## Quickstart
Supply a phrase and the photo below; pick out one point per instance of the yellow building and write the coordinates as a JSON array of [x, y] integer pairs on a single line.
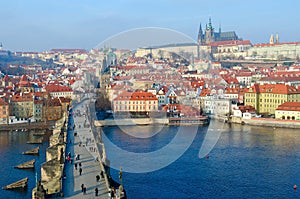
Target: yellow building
[[266, 98]]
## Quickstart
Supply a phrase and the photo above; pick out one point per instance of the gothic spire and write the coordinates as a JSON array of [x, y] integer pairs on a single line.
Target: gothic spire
[[200, 29], [209, 24], [200, 34]]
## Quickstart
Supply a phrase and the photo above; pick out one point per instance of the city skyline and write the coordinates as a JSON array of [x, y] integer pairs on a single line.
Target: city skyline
[[40, 26]]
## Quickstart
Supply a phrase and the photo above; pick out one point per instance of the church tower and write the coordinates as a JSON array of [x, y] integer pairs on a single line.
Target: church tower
[[272, 39], [209, 33], [200, 35], [277, 39]]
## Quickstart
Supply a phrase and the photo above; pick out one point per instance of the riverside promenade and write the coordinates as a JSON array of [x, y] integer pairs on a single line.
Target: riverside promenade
[[84, 145]]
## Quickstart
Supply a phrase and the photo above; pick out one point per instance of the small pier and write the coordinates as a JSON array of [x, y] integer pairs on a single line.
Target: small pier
[[188, 121], [38, 132], [37, 141], [34, 151], [26, 165], [17, 185]]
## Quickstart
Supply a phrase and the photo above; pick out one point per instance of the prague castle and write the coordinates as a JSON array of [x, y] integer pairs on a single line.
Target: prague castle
[[209, 35], [218, 46]]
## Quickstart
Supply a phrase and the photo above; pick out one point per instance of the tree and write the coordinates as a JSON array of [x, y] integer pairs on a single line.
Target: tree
[[102, 103]]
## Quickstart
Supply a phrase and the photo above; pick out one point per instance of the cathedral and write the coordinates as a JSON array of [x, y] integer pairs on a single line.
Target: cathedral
[[210, 35]]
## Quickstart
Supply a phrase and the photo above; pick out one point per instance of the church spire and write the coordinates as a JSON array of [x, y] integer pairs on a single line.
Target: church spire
[[272, 39], [200, 34], [209, 24], [220, 28]]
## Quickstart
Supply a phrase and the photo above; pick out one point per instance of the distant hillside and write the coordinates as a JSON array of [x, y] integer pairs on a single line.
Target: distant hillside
[[5, 61]]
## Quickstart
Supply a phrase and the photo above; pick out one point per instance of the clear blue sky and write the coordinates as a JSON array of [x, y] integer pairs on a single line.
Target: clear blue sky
[[39, 25]]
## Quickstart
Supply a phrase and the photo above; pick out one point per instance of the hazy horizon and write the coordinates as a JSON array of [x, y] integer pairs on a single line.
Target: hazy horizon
[[42, 25]]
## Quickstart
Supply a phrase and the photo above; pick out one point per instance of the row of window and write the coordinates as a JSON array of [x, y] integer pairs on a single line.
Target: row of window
[[126, 108], [134, 102], [62, 94], [272, 95], [290, 112]]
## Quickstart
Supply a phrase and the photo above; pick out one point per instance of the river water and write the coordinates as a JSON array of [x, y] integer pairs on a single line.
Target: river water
[[12, 144], [246, 162]]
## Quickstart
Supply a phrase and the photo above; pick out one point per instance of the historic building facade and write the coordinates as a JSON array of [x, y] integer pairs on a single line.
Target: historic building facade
[[266, 98], [288, 111], [135, 102]]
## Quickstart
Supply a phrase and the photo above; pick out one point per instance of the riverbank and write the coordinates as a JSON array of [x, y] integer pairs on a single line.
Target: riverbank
[[267, 122], [28, 126], [153, 121]]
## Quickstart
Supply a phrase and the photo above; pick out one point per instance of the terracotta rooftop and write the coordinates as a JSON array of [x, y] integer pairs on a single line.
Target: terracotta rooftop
[[289, 106], [138, 96], [22, 97], [230, 43], [3, 103], [54, 102], [274, 88], [57, 88]]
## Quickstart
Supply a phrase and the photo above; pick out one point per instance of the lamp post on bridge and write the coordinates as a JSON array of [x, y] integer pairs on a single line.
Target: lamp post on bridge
[[121, 176]]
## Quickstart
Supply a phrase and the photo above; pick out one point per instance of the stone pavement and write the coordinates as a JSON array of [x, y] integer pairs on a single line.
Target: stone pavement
[[84, 145]]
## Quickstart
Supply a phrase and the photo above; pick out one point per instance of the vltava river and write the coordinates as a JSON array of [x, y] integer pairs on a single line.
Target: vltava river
[[246, 162], [12, 144]]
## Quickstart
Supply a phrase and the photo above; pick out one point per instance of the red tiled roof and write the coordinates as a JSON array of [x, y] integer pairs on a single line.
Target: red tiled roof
[[65, 100], [197, 84], [129, 67], [236, 90], [274, 88], [138, 95], [230, 43], [3, 103], [249, 109], [205, 92], [122, 78], [54, 102], [230, 80], [289, 106], [57, 88], [279, 44], [186, 110], [40, 94], [38, 101], [22, 97]]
